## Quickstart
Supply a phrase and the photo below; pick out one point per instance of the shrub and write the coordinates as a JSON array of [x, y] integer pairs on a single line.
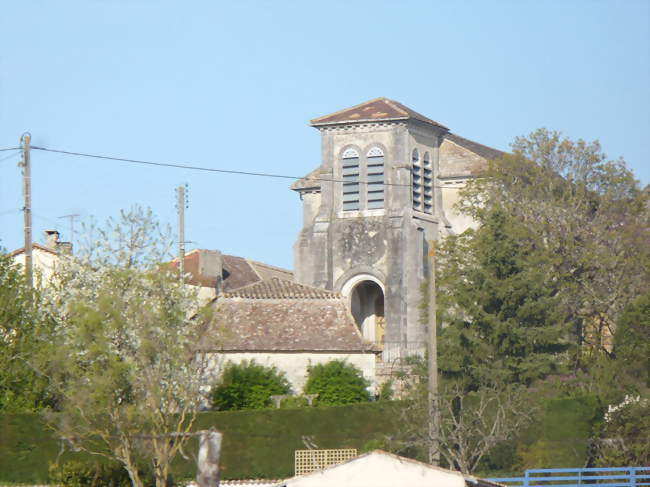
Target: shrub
[[294, 402], [248, 386], [337, 383], [81, 474]]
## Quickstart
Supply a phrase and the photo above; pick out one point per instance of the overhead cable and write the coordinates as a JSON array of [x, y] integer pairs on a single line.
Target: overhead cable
[[208, 169]]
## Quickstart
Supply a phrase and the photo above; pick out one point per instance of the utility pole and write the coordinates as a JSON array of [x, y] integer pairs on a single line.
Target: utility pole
[[27, 209], [181, 205], [434, 412]]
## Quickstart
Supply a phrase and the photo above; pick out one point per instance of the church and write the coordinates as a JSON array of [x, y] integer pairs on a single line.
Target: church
[[386, 187]]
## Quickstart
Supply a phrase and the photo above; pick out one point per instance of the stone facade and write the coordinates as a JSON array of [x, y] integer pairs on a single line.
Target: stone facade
[[375, 252]]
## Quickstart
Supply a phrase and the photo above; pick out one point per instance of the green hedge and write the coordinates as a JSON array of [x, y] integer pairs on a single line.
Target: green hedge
[[257, 443], [260, 443]]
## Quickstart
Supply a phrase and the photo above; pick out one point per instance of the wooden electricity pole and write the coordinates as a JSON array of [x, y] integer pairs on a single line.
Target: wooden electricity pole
[[434, 414], [181, 230], [27, 209]]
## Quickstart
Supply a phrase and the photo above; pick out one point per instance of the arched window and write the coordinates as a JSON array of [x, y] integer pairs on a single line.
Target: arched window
[[417, 180], [375, 176], [427, 184], [350, 173]]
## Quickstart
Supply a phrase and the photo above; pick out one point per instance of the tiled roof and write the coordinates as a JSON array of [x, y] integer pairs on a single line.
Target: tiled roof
[[276, 288], [283, 325], [283, 316], [373, 111], [34, 246], [237, 271], [310, 181], [267, 271], [482, 150]]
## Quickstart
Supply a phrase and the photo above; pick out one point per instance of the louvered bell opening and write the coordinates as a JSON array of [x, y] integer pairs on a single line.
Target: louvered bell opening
[[428, 203], [350, 173]]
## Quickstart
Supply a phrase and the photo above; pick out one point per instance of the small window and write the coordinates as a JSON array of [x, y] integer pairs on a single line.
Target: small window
[[375, 178], [350, 174]]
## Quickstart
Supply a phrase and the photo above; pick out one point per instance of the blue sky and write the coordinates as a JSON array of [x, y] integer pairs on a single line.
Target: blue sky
[[233, 85]]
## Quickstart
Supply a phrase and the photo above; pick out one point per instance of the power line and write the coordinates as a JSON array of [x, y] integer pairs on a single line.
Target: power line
[[209, 169], [10, 148], [10, 156]]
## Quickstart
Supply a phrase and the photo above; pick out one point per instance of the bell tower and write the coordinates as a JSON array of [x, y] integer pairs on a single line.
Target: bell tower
[[369, 210]]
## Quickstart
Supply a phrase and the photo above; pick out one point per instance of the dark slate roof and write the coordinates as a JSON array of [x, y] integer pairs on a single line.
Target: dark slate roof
[[261, 324], [482, 150], [276, 288], [373, 111]]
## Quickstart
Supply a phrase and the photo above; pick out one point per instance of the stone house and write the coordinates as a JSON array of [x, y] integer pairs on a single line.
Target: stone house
[[44, 257], [261, 314]]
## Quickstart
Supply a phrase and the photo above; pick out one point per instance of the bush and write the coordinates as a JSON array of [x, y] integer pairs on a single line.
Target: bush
[[294, 402], [337, 383], [74, 473], [248, 386], [81, 474]]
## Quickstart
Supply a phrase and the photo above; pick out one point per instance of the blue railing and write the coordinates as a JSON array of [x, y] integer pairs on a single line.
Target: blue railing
[[573, 477]]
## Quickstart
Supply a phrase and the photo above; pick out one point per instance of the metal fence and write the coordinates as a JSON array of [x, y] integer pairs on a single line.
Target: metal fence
[[573, 477]]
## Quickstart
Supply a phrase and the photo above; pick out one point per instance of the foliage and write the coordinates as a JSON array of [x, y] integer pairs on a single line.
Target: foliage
[[470, 424], [632, 339], [257, 443], [81, 474], [561, 249], [248, 386], [386, 391], [336, 383], [502, 307], [294, 402], [626, 434], [123, 356], [21, 325]]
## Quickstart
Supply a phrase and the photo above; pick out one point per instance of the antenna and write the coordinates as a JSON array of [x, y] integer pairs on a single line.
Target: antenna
[[72, 216]]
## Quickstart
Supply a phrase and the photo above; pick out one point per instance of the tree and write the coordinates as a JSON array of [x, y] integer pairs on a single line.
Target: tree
[[501, 305], [248, 386], [632, 339], [560, 250], [471, 423], [123, 355], [626, 434], [588, 219], [21, 388], [336, 383]]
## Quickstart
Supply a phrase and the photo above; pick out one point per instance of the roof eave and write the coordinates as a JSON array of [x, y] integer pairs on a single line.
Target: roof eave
[[316, 123]]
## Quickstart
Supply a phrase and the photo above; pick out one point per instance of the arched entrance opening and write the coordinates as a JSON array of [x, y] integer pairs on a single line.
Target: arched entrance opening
[[367, 307]]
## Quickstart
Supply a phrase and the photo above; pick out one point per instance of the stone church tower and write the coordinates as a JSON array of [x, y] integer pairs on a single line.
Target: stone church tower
[[370, 209]]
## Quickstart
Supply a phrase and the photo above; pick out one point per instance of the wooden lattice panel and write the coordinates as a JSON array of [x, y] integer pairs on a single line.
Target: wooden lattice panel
[[307, 461]]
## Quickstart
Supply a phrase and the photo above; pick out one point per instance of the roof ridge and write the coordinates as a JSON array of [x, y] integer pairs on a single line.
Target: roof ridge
[[315, 120], [271, 266], [482, 150], [37, 245], [280, 288], [397, 106]]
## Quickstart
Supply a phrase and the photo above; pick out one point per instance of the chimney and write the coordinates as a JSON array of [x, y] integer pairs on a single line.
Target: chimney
[[211, 266], [52, 239]]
